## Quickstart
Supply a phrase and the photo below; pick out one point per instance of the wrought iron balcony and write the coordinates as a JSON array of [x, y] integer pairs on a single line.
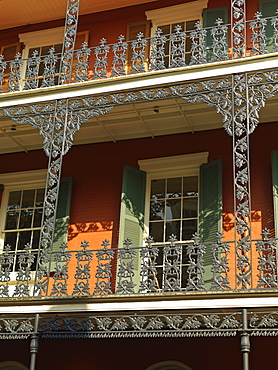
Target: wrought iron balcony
[[179, 49], [151, 269]]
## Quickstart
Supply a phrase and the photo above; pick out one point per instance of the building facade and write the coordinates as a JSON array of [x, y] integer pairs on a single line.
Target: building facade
[[138, 184]]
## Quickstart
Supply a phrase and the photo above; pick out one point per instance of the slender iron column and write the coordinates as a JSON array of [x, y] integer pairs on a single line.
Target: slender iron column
[[34, 345], [238, 20], [245, 341], [69, 41]]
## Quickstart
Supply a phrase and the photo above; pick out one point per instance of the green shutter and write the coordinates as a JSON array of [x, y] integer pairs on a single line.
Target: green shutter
[[274, 160], [62, 214], [132, 212], [268, 9], [209, 18], [210, 209]]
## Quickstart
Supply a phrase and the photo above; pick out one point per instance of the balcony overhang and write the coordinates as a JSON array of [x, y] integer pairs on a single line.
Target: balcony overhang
[[136, 119], [21, 12]]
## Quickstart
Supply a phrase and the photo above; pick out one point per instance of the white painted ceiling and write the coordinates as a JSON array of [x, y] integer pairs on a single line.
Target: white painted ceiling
[[131, 121]]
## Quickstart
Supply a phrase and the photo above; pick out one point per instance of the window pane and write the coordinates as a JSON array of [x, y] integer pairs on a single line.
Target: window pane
[[190, 186], [24, 238], [173, 209], [12, 220], [165, 29], [45, 49], [157, 210], [173, 187], [156, 231], [190, 207], [58, 48], [190, 25], [158, 189], [37, 218], [26, 219], [10, 239], [39, 198], [28, 198], [14, 200], [172, 228], [36, 239], [189, 227]]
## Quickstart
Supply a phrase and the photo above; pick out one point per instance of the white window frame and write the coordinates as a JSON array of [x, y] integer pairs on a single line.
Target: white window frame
[[37, 39], [41, 38], [14, 181], [174, 166], [176, 13]]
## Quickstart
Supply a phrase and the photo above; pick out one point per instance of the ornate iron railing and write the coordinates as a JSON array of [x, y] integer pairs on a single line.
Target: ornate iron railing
[[141, 55], [154, 268]]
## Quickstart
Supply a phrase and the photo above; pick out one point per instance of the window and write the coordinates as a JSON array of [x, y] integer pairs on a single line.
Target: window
[[173, 204], [172, 195], [23, 221], [268, 9], [42, 41], [21, 212], [167, 19]]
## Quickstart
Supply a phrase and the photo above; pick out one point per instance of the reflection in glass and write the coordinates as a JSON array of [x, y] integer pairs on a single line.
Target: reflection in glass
[[28, 198], [14, 200], [157, 210], [158, 189], [190, 206], [156, 231], [12, 220], [174, 187], [173, 209], [26, 216]]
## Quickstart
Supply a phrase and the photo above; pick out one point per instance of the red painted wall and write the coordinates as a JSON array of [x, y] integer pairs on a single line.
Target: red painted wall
[[110, 24], [97, 172], [137, 354]]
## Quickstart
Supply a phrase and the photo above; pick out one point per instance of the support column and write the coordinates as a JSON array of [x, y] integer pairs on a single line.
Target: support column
[[69, 41], [245, 341], [241, 168], [56, 142], [34, 345], [238, 31]]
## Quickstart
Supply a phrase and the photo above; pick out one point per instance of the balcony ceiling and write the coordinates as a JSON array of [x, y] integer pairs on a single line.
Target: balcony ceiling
[[14, 13], [140, 120]]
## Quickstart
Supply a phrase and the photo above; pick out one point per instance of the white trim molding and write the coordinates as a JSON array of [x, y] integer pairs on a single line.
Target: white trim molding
[[186, 164], [177, 13]]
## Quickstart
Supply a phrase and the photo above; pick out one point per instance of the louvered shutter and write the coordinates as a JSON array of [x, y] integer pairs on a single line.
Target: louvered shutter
[[209, 18], [9, 52], [132, 30], [210, 209], [132, 213], [268, 9], [274, 160], [63, 213]]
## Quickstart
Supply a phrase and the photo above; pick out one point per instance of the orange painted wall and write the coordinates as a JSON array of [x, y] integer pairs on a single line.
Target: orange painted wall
[[97, 173]]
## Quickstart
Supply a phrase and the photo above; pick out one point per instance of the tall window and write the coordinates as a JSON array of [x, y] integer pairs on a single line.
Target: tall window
[[183, 15], [173, 208], [21, 212], [23, 220]]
